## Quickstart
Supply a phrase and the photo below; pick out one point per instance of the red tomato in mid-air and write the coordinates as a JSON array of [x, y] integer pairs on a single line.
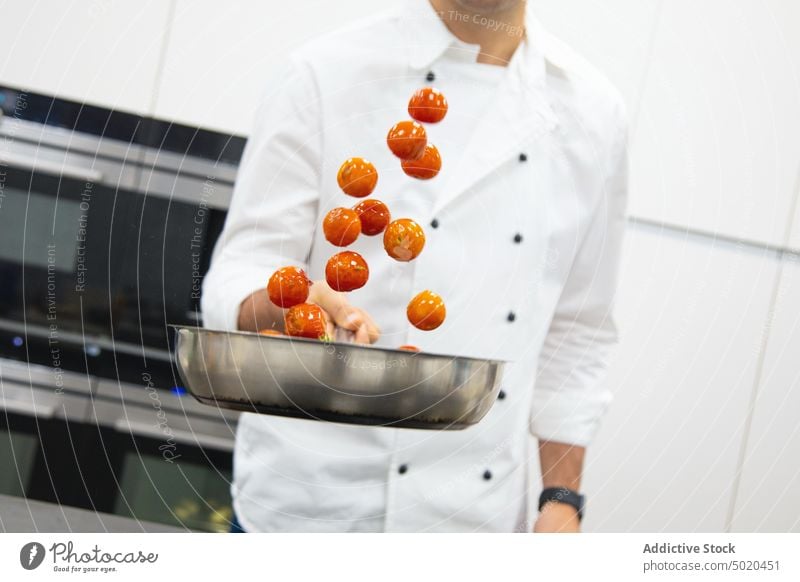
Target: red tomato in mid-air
[[288, 286], [346, 271], [426, 167], [407, 140], [428, 105], [374, 216], [403, 239], [357, 177], [341, 226], [426, 311]]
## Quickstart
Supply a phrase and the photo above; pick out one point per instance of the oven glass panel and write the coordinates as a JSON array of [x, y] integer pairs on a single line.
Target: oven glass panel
[[17, 457], [169, 244], [58, 236], [47, 227], [97, 261], [192, 495]]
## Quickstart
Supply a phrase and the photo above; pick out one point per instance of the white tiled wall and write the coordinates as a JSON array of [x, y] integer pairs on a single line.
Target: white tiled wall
[[769, 492], [101, 52], [218, 53], [718, 136], [691, 316], [222, 50], [616, 35]]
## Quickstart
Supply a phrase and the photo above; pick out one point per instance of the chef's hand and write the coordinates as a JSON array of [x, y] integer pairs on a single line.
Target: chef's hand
[[342, 314], [257, 312], [557, 518]]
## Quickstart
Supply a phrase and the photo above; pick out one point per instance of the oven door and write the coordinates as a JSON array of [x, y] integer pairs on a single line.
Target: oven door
[[42, 433], [172, 228], [99, 254], [62, 217], [169, 457]]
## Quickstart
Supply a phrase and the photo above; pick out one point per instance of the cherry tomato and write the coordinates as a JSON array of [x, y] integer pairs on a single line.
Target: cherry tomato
[[374, 216], [357, 177], [408, 348], [407, 140], [403, 239], [426, 167], [426, 311], [427, 105], [288, 286], [269, 332], [306, 320], [346, 271], [341, 226]]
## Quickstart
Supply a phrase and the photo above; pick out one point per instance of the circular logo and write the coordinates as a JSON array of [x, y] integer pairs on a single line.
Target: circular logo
[[31, 555]]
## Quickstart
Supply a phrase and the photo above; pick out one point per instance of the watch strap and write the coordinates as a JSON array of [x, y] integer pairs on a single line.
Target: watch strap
[[563, 495]]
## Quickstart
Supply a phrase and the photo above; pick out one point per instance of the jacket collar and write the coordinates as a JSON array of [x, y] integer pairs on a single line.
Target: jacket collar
[[429, 39], [519, 116]]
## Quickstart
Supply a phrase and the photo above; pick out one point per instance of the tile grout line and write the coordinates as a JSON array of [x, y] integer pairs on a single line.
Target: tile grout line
[[780, 251], [735, 490], [754, 392], [646, 73], [162, 58]]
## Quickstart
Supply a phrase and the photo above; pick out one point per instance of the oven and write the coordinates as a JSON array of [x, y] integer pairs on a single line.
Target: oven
[[99, 236], [113, 447], [41, 437], [107, 223]]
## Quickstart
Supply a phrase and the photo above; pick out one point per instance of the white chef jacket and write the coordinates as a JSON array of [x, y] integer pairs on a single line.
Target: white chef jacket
[[530, 214]]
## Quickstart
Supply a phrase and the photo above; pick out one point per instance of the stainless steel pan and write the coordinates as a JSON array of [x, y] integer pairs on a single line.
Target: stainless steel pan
[[335, 381]]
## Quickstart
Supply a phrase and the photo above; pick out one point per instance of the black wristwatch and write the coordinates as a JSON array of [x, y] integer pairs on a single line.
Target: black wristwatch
[[563, 495]]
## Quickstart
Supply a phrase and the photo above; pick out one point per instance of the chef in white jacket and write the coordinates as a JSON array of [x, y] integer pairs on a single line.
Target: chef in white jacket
[[524, 226]]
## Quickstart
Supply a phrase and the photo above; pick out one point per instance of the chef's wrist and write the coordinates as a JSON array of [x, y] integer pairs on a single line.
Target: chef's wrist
[[561, 509], [562, 497], [257, 312], [557, 518]]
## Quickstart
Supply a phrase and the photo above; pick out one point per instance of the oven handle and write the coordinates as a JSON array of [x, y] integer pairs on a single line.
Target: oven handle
[[29, 408], [50, 167], [186, 437]]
